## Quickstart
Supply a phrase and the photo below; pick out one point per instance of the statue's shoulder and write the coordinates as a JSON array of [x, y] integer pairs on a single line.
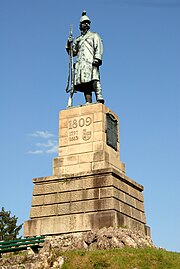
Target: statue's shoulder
[[95, 35], [78, 38]]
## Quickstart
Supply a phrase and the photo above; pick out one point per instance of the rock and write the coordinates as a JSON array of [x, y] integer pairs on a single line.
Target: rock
[[93, 246], [60, 261], [115, 243], [46, 247], [129, 242], [105, 238], [90, 237]]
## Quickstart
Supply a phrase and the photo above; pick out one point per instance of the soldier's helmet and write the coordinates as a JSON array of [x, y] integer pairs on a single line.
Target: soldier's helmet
[[84, 17]]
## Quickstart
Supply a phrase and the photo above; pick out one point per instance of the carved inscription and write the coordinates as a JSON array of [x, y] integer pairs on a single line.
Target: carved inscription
[[73, 135], [80, 129], [74, 123]]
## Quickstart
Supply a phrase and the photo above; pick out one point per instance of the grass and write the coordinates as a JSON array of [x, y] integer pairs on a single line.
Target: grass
[[126, 258]]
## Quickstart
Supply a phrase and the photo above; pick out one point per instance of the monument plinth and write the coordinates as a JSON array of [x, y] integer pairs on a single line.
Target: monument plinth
[[89, 188]]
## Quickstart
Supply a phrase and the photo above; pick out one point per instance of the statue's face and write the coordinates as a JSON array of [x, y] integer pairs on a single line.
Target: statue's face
[[84, 26]]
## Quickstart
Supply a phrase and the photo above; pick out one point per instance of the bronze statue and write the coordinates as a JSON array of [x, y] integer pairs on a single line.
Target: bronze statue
[[88, 48]]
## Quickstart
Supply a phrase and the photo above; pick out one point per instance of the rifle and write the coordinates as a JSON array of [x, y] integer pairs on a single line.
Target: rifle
[[71, 71]]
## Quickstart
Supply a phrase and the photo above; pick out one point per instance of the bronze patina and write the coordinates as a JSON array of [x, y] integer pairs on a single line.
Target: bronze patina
[[85, 75]]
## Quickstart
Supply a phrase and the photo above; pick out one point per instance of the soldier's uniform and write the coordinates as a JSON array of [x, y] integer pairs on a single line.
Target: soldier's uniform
[[88, 48]]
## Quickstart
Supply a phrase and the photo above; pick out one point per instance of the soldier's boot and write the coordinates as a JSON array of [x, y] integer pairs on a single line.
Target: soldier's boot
[[88, 97], [98, 91]]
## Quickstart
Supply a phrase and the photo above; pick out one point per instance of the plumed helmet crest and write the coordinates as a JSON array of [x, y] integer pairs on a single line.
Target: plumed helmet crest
[[84, 17]]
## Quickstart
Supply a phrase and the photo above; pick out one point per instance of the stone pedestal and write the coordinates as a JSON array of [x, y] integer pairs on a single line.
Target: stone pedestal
[[88, 189]]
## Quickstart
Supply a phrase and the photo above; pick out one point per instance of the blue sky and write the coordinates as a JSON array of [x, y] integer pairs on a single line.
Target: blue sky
[[140, 77]]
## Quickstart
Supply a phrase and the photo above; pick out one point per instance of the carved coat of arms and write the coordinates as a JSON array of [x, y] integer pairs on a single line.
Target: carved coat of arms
[[86, 135]]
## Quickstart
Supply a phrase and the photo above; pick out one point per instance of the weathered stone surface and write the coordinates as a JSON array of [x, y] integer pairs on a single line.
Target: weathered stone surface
[[89, 188], [81, 126], [80, 222], [74, 196]]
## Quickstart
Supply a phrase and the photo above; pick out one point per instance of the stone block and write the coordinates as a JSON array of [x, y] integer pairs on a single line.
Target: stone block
[[133, 192], [140, 197], [116, 164], [99, 136], [119, 195], [126, 209], [86, 147], [32, 227], [43, 211], [86, 157], [38, 200], [127, 222], [74, 149], [92, 108], [99, 156], [130, 200], [99, 126], [135, 225], [63, 141], [85, 167], [99, 117], [98, 146], [102, 219], [70, 113], [139, 205], [63, 132], [99, 165], [50, 188], [97, 181], [72, 169], [80, 148], [121, 185], [71, 160], [78, 168], [59, 171], [120, 167], [136, 214], [63, 151], [35, 212], [38, 189], [50, 199], [63, 123], [58, 162]]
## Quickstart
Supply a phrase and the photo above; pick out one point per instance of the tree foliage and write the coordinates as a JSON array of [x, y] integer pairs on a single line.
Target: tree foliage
[[9, 229]]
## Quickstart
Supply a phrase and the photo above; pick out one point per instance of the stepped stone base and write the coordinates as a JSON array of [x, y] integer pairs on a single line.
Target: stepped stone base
[[82, 203], [89, 188]]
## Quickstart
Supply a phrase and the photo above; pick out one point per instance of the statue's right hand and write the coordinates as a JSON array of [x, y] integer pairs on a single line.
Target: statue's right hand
[[70, 39]]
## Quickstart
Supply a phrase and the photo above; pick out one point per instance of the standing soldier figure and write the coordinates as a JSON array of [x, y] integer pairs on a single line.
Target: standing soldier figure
[[88, 48]]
